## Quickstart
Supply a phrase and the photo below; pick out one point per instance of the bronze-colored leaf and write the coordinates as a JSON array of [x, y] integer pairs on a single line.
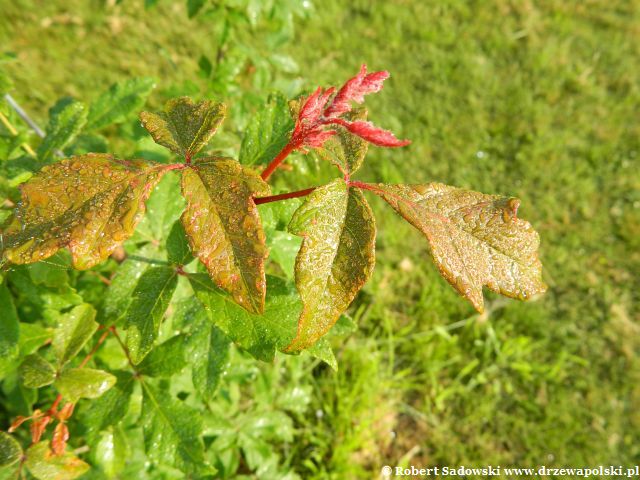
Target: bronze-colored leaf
[[184, 127], [336, 257], [475, 239], [224, 228], [90, 204], [346, 150]]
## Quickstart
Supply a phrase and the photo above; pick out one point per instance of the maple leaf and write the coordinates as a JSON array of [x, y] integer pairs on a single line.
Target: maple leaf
[[336, 257], [90, 204], [224, 228], [184, 127], [476, 239]]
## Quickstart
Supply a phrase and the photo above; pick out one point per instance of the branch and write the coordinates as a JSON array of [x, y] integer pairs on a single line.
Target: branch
[[283, 196]]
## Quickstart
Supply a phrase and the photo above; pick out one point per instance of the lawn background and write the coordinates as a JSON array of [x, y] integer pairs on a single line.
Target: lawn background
[[538, 100]]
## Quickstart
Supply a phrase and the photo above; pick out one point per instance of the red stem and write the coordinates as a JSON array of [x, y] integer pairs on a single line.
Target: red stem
[[101, 340], [284, 153], [283, 196]]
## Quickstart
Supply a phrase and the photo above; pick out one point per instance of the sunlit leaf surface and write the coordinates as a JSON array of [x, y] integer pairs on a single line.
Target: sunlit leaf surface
[[224, 228], [336, 257], [90, 204], [184, 127], [475, 239]]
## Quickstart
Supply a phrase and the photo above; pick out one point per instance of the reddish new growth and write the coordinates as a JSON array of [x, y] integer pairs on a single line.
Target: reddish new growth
[[322, 109]]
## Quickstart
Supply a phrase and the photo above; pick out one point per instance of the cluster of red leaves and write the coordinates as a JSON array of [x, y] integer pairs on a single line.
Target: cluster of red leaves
[[323, 108], [40, 420]]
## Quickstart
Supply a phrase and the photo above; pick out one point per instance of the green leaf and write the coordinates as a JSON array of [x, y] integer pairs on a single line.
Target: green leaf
[[224, 228], [178, 251], [475, 239], [120, 292], [110, 452], [44, 465], [336, 257], [76, 383], [9, 330], [117, 103], [111, 407], [10, 450], [166, 359], [283, 248], [90, 204], [164, 207], [209, 355], [194, 6], [267, 133], [184, 127], [32, 337], [322, 350], [75, 329], [149, 303], [345, 150], [66, 119], [172, 431], [262, 334], [36, 372]]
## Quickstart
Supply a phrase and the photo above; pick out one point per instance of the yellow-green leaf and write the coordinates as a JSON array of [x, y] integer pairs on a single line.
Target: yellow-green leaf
[[44, 465], [345, 150], [90, 204], [224, 228], [36, 372], [184, 127], [75, 329], [475, 239], [10, 450], [76, 383], [336, 257], [66, 120]]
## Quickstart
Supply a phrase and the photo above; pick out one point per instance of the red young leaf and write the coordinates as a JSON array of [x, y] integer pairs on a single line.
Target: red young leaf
[[60, 437], [38, 427], [66, 411], [355, 89], [316, 138], [17, 422], [372, 134]]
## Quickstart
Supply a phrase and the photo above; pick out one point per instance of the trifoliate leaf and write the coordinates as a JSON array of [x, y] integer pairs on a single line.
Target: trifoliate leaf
[[172, 431], [36, 372], [9, 330], [66, 119], [336, 257], [117, 103], [111, 407], [178, 251], [44, 465], [90, 204], [76, 383], [208, 354], [267, 133], [10, 450], [475, 239], [346, 150], [166, 359], [184, 127], [224, 228], [74, 330], [149, 303], [262, 334]]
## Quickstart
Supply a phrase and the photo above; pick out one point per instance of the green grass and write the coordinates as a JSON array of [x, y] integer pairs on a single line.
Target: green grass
[[536, 100]]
